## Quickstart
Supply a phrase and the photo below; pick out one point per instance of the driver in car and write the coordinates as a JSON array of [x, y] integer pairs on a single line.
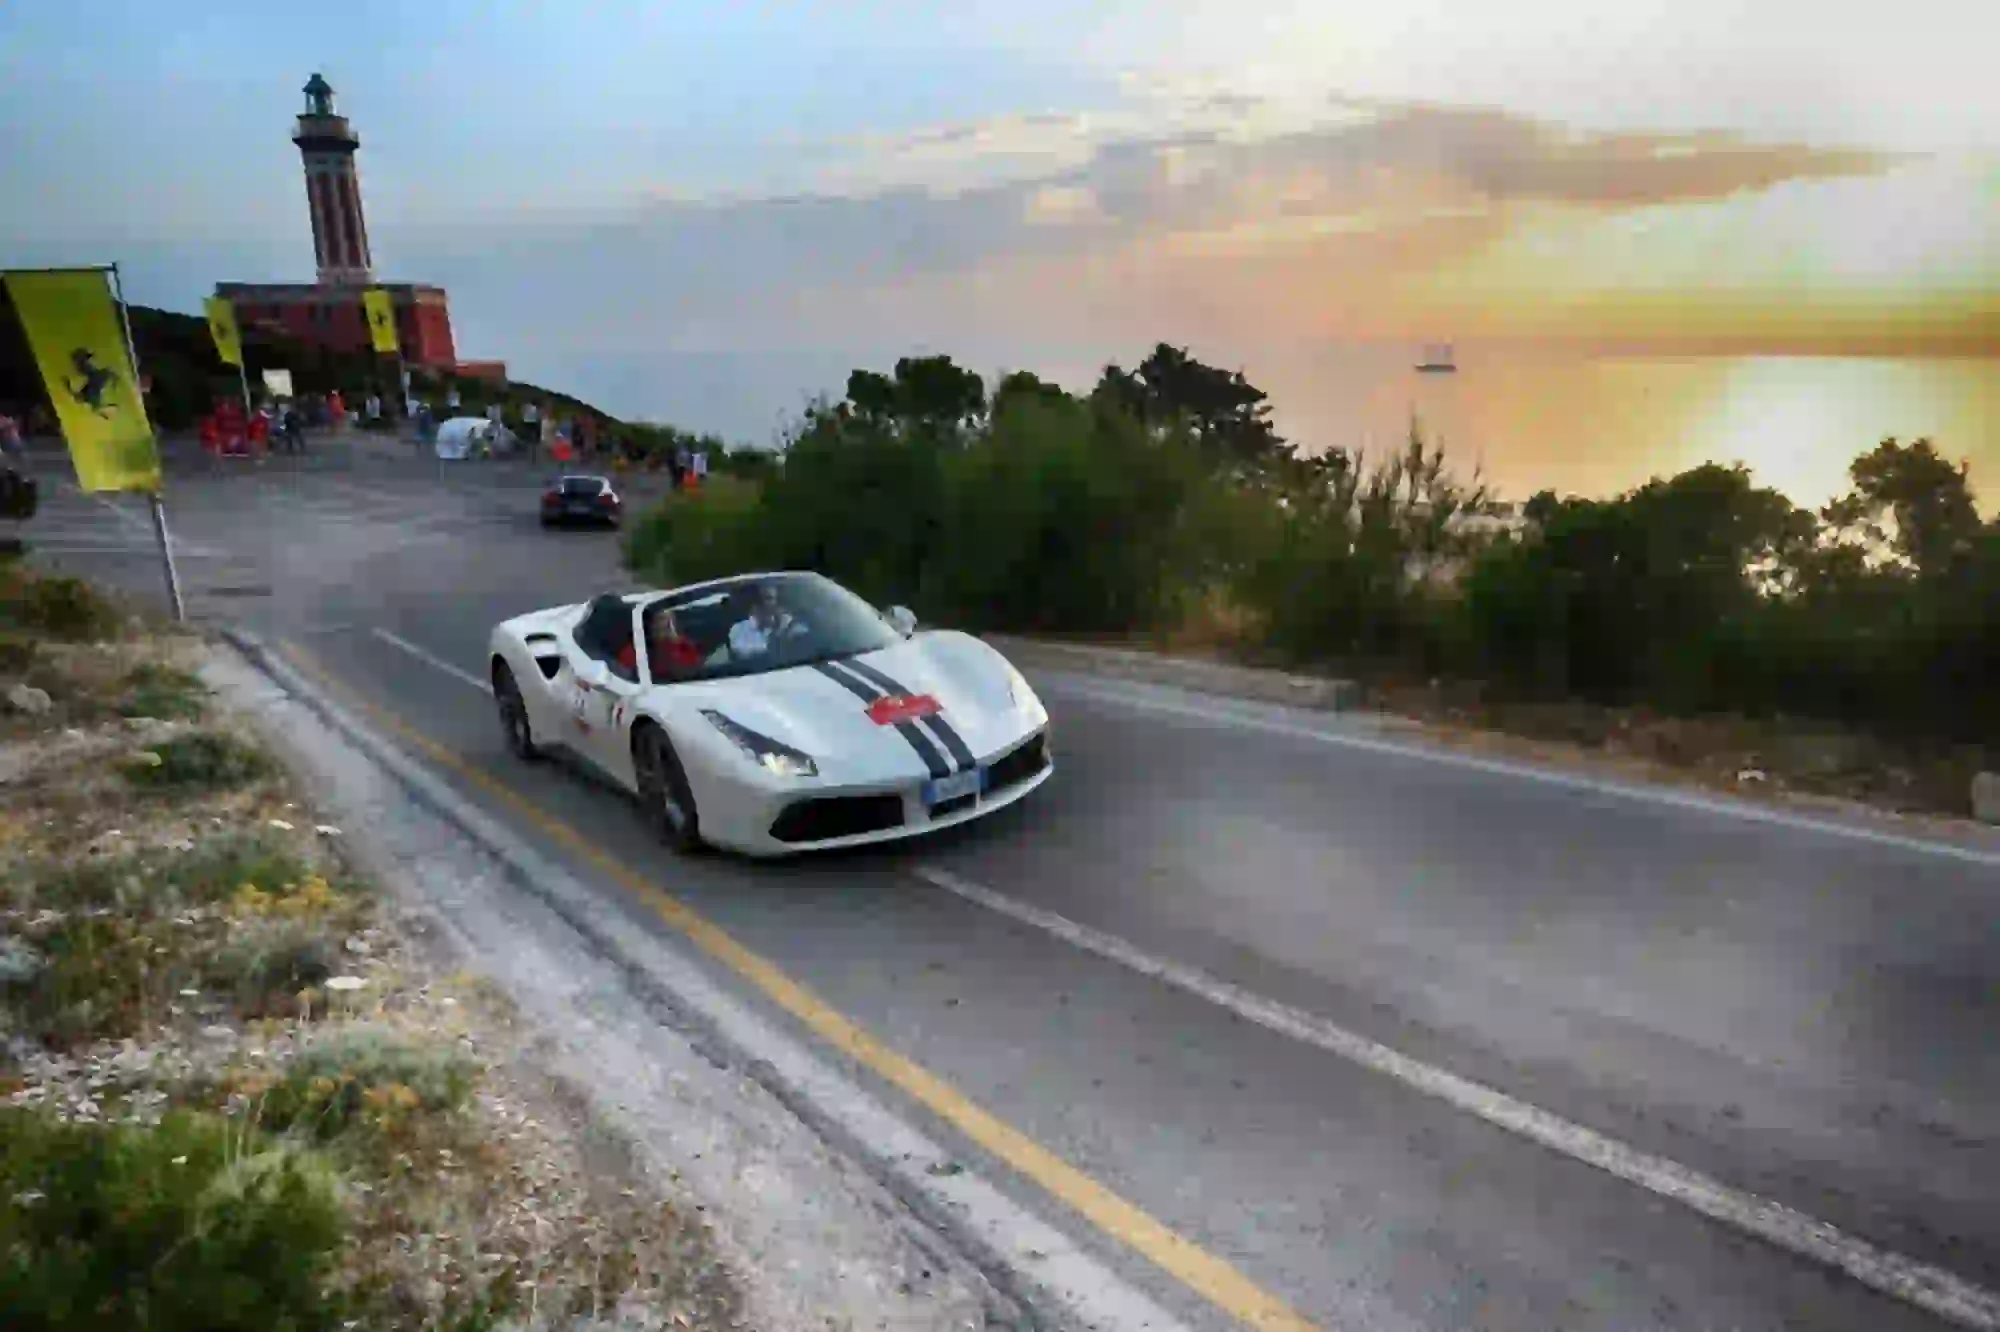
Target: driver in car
[[752, 635]]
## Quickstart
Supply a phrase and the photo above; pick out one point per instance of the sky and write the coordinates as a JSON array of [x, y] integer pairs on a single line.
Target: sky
[[707, 213]]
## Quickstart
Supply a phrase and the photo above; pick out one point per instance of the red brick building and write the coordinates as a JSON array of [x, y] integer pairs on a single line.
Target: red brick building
[[330, 315], [328, 312]]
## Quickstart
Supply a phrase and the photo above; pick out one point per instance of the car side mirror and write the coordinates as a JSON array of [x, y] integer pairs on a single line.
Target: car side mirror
[[902, 619], [594, 673]]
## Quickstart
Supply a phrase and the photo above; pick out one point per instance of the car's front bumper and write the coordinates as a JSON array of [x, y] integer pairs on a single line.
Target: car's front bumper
[[747, 823]]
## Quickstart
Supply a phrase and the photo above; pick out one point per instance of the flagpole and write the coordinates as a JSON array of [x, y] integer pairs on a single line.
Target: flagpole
[[154, 502]]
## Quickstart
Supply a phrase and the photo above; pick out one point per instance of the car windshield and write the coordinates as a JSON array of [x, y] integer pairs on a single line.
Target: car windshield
[[748, 626], [579, 487]]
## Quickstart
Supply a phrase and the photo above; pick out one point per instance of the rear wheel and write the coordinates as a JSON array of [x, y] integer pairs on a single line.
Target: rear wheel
[[513, 708], [665, 799]]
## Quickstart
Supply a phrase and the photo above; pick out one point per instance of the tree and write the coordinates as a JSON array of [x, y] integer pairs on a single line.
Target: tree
[[1910, 500], [1225, 413], [1022, 385]]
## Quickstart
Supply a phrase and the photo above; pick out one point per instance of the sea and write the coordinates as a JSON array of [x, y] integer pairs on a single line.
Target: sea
[[1597, 425]]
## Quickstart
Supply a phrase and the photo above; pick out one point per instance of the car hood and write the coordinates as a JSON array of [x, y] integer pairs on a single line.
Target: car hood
[[821, 712]]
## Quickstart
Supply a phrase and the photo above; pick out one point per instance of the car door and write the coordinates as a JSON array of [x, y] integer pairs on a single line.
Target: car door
[[596, 690]]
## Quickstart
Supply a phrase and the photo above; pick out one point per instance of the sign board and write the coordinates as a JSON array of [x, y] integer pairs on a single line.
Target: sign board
[[278, 383]]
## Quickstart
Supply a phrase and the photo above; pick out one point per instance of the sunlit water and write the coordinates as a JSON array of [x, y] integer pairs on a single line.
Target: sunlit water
[[1599, 425]]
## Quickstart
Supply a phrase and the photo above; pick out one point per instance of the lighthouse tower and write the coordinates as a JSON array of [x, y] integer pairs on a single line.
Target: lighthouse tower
[[328, 313], [333, 191]]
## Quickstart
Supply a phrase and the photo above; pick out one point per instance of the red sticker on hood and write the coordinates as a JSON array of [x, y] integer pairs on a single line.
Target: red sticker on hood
[[893, 708]]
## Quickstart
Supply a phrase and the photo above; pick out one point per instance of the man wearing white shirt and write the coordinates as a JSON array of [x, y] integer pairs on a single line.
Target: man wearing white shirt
[[751, 636]]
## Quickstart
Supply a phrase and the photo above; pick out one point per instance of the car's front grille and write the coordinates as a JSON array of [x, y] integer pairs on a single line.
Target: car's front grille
[[1019, 765], [819, 819]]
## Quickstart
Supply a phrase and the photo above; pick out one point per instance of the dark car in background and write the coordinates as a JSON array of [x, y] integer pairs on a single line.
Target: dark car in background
[[581, 499]]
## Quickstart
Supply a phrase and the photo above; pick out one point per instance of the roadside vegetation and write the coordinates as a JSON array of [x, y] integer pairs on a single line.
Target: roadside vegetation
[[1700, 619], [238, 1088]]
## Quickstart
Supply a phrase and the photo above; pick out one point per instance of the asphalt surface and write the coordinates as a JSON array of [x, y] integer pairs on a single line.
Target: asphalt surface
[[1807, 1017]]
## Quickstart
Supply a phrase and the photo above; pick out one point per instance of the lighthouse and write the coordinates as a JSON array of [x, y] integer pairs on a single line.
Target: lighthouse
[[328, 311], [333, 190]]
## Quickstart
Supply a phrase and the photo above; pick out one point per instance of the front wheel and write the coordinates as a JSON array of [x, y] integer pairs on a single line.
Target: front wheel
[[514, 721], [665, 799]]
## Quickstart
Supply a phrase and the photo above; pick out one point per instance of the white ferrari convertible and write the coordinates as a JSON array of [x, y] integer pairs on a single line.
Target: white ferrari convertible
[[773, 713]]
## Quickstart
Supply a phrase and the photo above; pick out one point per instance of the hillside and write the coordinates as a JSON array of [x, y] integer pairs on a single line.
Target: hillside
[[176, 353]]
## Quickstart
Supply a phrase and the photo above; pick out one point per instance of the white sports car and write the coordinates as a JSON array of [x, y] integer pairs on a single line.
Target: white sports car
[[773, 713]]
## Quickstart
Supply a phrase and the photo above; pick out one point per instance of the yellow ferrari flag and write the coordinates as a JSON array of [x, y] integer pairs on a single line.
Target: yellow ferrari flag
[[381, 319], [79, 344], [222, 327]]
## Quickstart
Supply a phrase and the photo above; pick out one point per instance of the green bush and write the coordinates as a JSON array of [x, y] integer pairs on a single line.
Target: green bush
[[182, 1226], [165, 693], [264, 965], [207, 759], [1167, 493], [699, 534], [17, 654], [161, 881], [98, 976], [360, 1077], [1063, 515], [57, 607]]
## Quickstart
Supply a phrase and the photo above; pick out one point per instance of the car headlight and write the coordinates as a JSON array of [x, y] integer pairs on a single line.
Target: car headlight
[[780, 760]]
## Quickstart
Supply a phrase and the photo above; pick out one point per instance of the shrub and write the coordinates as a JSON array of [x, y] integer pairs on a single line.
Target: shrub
[[59, 607], [17, 654], [167, 1228], [360, 1077], [99, 977], [212, 872], [165, 693], [1063, 515], [265, 964], [716, 530], [203, 759]]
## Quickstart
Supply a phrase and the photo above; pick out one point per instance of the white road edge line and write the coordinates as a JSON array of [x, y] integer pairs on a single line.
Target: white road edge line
[[1660, 795], [1930, 1288], [429, 658]]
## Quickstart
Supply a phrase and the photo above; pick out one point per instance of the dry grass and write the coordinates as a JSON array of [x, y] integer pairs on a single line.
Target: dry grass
[[200, 944], [1740, 754]]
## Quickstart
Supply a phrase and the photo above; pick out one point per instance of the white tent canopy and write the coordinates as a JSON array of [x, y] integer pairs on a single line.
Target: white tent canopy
[[463, 436]]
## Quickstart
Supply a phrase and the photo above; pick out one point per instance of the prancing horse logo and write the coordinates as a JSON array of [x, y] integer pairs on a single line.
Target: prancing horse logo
[[93, 381]]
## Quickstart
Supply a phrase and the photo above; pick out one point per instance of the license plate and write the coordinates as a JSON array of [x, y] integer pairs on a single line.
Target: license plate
[[579, 506], [951, 788]]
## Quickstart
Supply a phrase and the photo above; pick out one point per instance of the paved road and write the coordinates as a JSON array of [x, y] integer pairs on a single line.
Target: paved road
[[1803, 1016]]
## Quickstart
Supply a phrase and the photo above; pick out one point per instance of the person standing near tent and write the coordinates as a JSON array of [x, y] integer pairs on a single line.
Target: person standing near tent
[[531, 427]]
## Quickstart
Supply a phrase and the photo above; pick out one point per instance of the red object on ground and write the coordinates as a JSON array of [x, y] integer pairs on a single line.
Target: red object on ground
[[893, 708], [211, 434]]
